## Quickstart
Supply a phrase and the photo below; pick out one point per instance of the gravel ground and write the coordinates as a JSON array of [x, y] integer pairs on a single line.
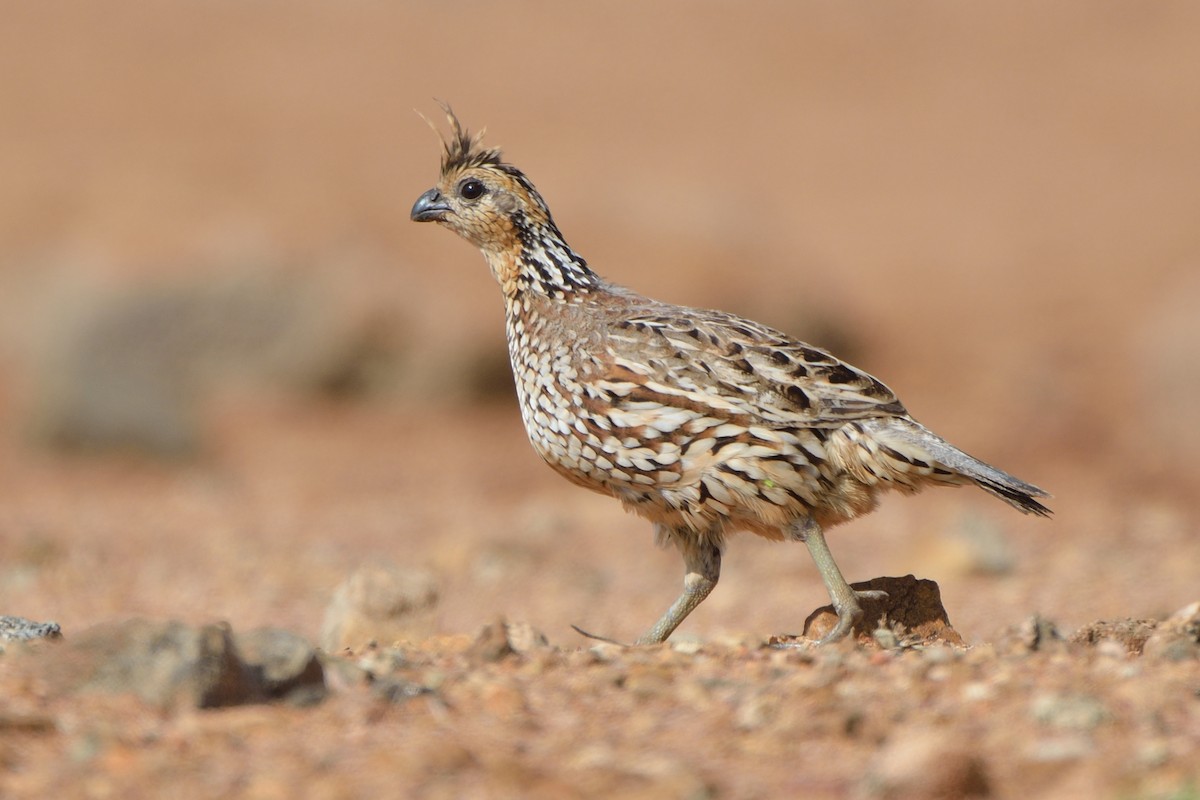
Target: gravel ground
[[461, 704]]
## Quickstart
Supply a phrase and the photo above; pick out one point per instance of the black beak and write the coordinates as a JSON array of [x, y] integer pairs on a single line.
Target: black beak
[[430, 207]]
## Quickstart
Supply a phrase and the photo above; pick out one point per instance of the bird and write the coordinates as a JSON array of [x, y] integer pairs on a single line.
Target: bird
[[700, 421]]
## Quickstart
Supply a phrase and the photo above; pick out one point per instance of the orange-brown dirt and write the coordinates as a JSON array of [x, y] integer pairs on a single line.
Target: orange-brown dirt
[[991, 208]]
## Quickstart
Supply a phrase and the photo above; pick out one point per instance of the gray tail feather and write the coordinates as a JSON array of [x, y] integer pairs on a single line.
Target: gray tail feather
[[1014, 491], [1017, 493]]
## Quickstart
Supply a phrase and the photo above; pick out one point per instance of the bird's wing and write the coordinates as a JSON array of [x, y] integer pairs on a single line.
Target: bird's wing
[[737, 366]]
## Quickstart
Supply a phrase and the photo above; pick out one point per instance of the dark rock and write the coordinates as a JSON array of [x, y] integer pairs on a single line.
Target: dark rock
[[283, 664], [173, 665], [913, 609], [167, 664]]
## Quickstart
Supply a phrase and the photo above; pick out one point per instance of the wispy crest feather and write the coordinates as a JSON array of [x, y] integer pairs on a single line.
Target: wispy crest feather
[[462, 149]]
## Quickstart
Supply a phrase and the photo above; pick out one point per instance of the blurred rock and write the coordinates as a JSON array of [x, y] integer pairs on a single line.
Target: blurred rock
[[129, 368], [1129, 633], [1034, 634], [523, 638], [398, 690], [491, 644], [167, 664], [1177, 638], [501, 638], [487, 373], [173, 665], [913, 609], [1069, 710], [381, 603], [927, 764], [342, 674], [284, 665]]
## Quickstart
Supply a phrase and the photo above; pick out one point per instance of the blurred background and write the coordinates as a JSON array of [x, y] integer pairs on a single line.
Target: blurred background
[[232, 371]]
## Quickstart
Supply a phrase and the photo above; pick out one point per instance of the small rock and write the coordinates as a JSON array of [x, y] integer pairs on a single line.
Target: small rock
[[523, 638], [1129, 633], [1034, 634], [913, 604], [755, 711], [1112, 649], [501, 638], [1080, 712], [380, 603], [491, 644], [377, 661], [1177, 638], [687, 646], [284, 665], [398, 690], [342, 674], [127, 368], [978, 692], [927, 764], [19, 629], [607, 652], [1055, 749], [173, 665], [166, 663]]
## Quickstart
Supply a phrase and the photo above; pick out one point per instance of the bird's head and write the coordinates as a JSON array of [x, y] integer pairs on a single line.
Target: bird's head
[[487, 202], [494, 206]]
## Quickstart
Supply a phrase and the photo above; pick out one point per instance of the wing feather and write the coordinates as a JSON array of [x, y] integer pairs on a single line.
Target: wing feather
[[735, 365]]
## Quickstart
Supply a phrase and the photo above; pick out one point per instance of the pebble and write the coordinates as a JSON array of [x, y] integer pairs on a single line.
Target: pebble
[[19, 629], [1069, 747], [926, 764], [1177, 638], [380, 603], [501, 639], [1069, 711], [284, 665]]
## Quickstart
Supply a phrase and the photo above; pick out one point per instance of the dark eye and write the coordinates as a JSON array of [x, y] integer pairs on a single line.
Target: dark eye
[[471, 189]]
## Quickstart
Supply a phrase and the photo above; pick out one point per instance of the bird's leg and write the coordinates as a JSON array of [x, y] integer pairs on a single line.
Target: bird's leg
[[845, 599], [703, 562]]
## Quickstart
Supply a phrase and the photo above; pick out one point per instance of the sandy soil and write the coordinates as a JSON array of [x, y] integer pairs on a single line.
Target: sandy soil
[[991, 209]]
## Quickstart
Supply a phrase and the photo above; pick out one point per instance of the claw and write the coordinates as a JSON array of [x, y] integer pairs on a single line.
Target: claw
[[845, 625], [849, 615], [582, 632]]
